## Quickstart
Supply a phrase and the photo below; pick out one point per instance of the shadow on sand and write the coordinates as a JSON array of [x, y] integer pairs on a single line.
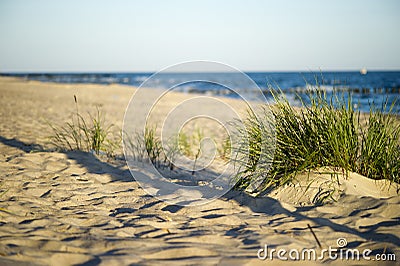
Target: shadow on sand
[[85, 159], [263, 204]]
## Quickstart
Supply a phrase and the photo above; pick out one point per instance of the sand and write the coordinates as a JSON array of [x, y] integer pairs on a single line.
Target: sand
[[66, 208]]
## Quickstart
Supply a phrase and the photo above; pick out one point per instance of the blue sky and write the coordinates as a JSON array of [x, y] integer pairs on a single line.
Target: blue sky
[[251, 35]]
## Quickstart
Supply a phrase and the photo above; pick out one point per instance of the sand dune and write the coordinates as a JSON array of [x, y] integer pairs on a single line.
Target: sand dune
[[66, 208]]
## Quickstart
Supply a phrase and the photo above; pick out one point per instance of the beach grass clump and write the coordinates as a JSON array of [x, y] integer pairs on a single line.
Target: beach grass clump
[[224, 150], [171, 152], [380, 145], [135, 146], [146, 146], [152, 145], [325, 132], [252, 153], [90, 133], [185, 143]]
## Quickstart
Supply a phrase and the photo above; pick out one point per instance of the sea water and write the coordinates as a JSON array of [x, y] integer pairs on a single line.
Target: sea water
[[374, 87]]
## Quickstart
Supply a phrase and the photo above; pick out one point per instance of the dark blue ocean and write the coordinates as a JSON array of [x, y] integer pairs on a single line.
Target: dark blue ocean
[[375, 87]]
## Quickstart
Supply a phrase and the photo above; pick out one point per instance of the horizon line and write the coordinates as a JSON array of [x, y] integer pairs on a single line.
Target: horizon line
[[208, 71]]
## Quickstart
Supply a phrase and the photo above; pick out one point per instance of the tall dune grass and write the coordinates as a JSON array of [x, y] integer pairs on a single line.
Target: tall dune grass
[[325, 132], [380, 146]]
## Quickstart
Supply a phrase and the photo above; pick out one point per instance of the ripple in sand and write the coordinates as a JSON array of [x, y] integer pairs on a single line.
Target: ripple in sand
[[180, 253]]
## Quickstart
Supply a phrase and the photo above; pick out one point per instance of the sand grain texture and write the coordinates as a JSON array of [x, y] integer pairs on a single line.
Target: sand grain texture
[[66, 208]]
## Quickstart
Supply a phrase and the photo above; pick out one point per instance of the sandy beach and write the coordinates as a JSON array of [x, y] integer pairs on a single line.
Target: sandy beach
[[68, 208]]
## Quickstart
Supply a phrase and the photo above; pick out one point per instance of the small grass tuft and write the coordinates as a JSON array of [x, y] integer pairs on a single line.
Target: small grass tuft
[[84, 133], [224, 150]]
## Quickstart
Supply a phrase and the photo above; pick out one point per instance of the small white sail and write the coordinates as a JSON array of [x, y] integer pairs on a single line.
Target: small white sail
[[363, 71]]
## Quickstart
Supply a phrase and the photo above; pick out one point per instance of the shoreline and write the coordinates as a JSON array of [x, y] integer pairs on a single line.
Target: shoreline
[[363, 93]]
